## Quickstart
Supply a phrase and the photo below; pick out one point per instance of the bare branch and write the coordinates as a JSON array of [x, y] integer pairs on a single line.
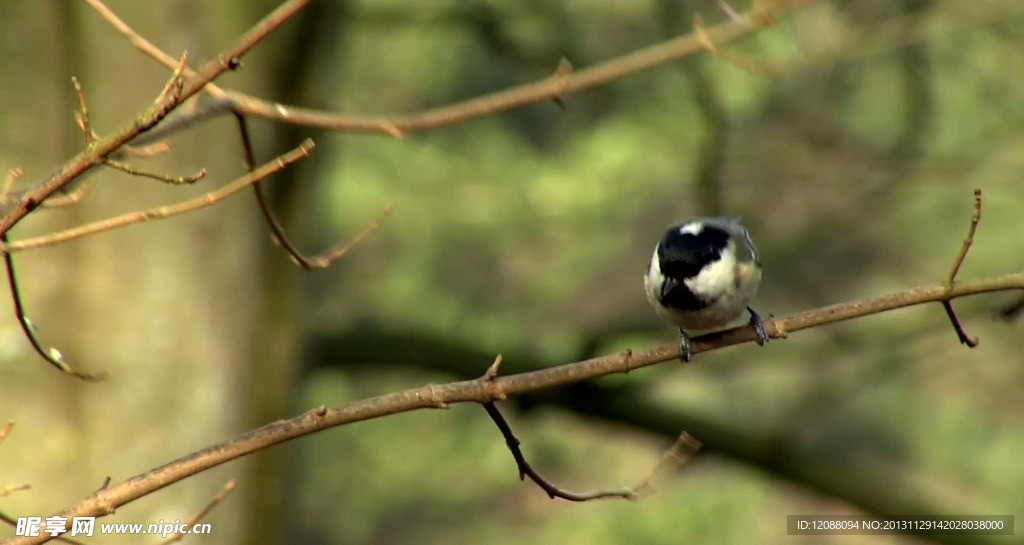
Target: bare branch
[[162, 212], [102, 148], [480, 391], [554, 87]]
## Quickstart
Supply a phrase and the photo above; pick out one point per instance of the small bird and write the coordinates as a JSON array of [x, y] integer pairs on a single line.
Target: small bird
[[702, 276]]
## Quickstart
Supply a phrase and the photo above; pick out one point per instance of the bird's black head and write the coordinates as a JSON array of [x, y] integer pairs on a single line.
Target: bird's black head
[[682, 255]]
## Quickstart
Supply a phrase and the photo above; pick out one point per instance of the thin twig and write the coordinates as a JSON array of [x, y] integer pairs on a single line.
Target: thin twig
[[172, 180], [730, 13], [67, 199], [525, 470], [171, 92], [82, 115], [6, 430], [964, 339], [51, 355], [951, 278], [478, 391], [968, 241], [161, 212], [147, 150], [277, 233], [12, 176], [8, 490], [679, 454], [331, 255], [228, 487]]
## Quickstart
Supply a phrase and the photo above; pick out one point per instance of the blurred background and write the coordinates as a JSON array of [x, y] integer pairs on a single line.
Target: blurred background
[[849, 137]]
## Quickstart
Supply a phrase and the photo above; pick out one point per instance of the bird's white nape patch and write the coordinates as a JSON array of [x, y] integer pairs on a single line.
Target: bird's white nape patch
[[716, 278], [694, 228]]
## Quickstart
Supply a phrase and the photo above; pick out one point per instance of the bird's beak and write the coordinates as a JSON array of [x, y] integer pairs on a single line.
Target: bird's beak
[[667, 287]]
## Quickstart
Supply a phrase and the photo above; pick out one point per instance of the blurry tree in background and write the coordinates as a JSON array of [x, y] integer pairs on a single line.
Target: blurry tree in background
[[849, 136]]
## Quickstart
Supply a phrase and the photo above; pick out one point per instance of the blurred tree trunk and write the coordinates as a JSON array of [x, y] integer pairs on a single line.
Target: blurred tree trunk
[[167, 308]]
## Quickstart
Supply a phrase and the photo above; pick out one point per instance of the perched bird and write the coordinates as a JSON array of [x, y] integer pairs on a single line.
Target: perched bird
[[702, 276]]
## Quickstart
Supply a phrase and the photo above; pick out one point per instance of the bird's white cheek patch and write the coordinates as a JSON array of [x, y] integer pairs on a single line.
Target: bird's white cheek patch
[[715, 279]]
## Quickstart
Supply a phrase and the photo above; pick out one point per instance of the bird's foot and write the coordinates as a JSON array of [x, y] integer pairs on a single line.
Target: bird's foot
[[758, 324], [685, 347]]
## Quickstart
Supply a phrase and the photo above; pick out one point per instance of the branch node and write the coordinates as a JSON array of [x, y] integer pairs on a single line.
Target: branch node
[[627, 359], [776, 329], [68, 198], [171, 92], [562, 73], [434, 398], [702, 36], [965, 339], [392, 130], [492, 370]]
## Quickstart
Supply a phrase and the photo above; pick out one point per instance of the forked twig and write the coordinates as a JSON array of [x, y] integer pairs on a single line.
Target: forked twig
[[161, 212], [525, 470], [277, 233], [677, 455], [319, 261], [947, 305]]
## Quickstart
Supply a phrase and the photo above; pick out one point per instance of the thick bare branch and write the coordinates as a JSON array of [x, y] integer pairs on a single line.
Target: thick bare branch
[[487, 391], [552, 88]]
